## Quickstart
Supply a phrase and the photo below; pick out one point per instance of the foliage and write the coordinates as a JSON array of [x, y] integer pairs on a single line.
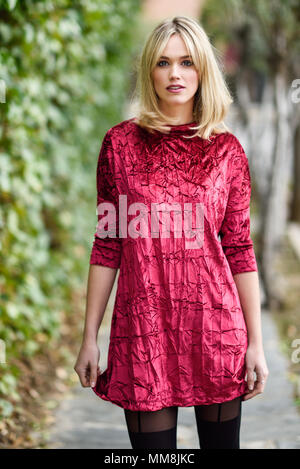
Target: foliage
[[64, 64], [267, 30]]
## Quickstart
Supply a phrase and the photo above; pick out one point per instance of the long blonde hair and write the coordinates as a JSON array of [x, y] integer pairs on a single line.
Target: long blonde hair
[[212, 98]]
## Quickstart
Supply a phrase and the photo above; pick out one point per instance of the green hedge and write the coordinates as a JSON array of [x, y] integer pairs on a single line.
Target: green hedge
[[66, 68]]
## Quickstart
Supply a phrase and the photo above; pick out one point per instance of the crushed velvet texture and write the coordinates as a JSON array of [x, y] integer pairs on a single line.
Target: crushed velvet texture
[[178, 335]]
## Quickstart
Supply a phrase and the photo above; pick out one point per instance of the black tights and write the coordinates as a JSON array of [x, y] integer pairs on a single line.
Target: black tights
[[218, 426]]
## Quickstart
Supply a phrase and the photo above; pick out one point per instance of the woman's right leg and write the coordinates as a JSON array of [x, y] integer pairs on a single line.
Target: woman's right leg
[[219, 424], [152, 429]]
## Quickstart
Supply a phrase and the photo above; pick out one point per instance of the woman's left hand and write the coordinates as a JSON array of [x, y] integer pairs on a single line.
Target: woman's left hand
[[255, 361]]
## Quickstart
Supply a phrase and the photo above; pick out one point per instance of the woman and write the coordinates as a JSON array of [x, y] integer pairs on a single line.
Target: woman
[[186, 326]]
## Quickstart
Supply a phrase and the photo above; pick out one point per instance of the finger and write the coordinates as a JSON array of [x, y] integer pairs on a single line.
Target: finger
[[261, 380], [83, 379], [249, 395], [87, 375], [260, 385], [260, 377], [93, 377], [257, 389], [250, 378]]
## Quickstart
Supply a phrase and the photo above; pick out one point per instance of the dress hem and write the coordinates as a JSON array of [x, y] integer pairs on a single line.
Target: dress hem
[[194, 401]]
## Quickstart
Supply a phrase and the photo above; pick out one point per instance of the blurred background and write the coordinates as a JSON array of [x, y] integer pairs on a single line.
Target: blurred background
[[67, 74]]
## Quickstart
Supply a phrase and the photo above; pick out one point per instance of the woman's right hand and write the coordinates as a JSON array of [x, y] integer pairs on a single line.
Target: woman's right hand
[[86, 365]]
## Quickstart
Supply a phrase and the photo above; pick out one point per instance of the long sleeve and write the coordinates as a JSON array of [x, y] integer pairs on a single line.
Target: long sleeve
[[106, 251], [235, 230]]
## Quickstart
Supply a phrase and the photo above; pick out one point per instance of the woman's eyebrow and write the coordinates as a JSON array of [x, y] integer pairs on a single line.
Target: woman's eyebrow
[[183, 57]]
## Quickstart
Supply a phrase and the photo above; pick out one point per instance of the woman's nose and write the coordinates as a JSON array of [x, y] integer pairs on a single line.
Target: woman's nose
[[174, 72]]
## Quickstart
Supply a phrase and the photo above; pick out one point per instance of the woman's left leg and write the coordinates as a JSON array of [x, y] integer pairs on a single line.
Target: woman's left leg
[[218, 424], [152, 429]]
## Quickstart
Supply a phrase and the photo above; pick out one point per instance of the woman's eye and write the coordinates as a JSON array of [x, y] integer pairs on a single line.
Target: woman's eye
[[186, 62], [189, 62], [162, 61]]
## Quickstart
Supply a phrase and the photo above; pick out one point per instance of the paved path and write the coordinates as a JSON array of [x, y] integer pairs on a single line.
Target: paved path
[[269, 420]]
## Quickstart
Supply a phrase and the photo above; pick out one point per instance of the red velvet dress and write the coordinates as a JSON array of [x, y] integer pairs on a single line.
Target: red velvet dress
[[178, 335]]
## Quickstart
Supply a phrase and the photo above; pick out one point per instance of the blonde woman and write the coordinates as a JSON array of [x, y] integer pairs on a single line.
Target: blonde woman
[[186, 326]]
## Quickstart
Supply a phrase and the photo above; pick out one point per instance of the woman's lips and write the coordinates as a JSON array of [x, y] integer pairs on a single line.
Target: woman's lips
[[176, 90]]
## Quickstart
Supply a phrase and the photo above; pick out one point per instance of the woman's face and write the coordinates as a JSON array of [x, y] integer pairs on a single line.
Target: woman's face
[[175, 67]]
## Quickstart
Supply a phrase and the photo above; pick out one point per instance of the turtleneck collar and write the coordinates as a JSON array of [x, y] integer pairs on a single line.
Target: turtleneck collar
[[183, 128], [176, 130]]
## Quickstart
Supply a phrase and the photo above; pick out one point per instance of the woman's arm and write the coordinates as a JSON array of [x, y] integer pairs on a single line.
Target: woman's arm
[[105, 259], [248, 289], [100, 283], [105, 256], [99, 286], [239, 251]]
